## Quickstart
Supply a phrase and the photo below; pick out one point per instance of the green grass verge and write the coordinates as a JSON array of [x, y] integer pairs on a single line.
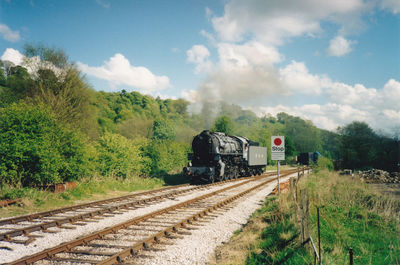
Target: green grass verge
[[352, 215], [279, 241], [94, 188]]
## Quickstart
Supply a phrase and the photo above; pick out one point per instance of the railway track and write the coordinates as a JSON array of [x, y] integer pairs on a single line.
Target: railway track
[[113, 244], [24, 226]]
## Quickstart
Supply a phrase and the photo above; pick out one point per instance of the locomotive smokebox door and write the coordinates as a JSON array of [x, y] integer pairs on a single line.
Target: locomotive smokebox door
[[257, 156]]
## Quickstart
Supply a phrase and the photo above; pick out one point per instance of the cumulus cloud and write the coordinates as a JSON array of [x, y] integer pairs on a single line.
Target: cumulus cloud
[[246, 72], [13, 56], [8, 34], [252, 53], [377, 107], [247, 36], [199, 55], [274, 21], [297, 79], [119, 71], [340, 46], [391, 5]]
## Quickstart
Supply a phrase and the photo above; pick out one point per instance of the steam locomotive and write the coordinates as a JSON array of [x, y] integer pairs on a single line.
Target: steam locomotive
[[218, 156]]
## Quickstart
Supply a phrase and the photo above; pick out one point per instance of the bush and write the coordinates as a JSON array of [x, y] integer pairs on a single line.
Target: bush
[[36, 150], [121, 157], [167, 156], [325, 163]]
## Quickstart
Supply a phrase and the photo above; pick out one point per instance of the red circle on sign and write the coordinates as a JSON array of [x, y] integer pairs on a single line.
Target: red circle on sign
[[277, 141]]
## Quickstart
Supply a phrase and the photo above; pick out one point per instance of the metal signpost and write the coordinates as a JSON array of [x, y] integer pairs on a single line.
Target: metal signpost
[[278, 152]]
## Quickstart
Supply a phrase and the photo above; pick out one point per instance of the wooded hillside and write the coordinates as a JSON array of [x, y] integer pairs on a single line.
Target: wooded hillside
[[55, 127]]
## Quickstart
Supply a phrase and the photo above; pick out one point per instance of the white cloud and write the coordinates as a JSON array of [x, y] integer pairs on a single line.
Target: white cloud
[[103, 3], [328, 116], [391, 5], [247, 36], [297, 79], [251, 53], [119, 71], [378, 107], [199, 55], [190, 95], [339, 46], [273, 21], [13, 56], [8, 34]]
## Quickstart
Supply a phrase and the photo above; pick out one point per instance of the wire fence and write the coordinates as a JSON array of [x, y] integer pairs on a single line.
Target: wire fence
[[302, 205]]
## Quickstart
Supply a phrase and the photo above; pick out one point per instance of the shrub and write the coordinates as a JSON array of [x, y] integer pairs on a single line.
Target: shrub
[[325, 163], [121, 157], [167, 156], [36, 150]]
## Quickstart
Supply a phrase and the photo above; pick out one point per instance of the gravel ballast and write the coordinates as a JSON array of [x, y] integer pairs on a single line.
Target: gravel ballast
[[198, 247], [49, 240]]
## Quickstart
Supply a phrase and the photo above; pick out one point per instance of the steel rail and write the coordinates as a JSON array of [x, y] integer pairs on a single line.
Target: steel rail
[[47, 254], [7, 236], [146, 243], [39, 215]]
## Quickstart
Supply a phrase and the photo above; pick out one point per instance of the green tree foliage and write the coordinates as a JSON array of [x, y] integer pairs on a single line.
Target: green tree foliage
[[162, 130], [60, 85], [122, 157], [304, 134], [324, 163], [357, 144], [3, 78], [55, 56], [54, 82], [36, 150], [290, 149], [16, 85], [223, 124], [167, 156], [361, 147]]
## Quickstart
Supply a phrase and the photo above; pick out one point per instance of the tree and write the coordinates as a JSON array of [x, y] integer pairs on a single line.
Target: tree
[[35, 149], [290, 149], [223, 124], [357, 145], [58, 83], [3, 78], [163, 130]]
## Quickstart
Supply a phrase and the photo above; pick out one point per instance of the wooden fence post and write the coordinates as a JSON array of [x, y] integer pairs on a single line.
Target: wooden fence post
[[292, 188], [304, 213]]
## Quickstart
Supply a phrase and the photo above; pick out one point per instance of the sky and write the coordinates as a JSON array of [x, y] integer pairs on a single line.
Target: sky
[[331, 62]]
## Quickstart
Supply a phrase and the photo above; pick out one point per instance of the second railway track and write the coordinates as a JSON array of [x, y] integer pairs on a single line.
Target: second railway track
[[24, 226], [188, 209]]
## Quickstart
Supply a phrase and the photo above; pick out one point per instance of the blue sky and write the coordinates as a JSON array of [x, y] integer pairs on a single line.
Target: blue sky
[[329, 62]]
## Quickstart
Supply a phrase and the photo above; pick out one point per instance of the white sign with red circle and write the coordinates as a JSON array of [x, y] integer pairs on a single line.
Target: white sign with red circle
[[277, 147]]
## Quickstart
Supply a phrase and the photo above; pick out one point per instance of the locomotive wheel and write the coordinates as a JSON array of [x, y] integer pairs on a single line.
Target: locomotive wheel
[[211, 179]]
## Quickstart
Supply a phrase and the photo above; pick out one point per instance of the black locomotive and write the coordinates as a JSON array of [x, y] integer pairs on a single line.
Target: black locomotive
[[218, 156]]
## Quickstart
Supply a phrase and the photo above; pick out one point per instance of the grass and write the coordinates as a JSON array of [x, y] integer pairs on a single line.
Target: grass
[[270, 237], [352, 215], [89, 189]]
